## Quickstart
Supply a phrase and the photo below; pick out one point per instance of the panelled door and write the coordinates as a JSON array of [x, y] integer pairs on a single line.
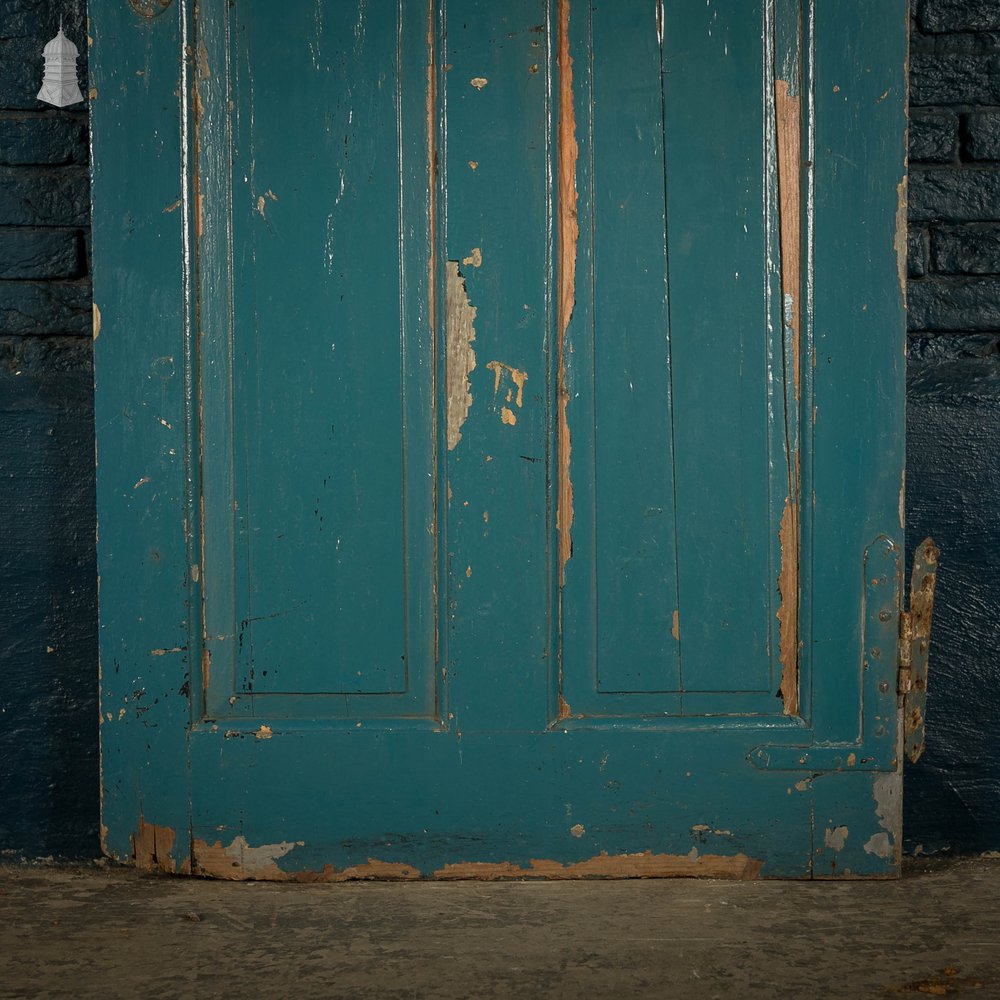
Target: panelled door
[[500, 436]]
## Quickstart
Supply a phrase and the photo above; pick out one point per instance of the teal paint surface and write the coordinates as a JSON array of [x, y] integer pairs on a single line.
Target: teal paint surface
[[333, 630]]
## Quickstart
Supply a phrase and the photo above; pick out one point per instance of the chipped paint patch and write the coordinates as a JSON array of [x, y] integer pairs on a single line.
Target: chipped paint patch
[[569, 234], [899, 237], [675, 627], [475, 258], [644, 865], [479, 82], [507, 416], [788, 115], [578, 830], [241, 861], [96, 322], [461, 357], [879, 844], [152, 847], [887, 791], [835, 839], [264, 733], [902, 501], [373, 869], [517, 376], [788, 610]]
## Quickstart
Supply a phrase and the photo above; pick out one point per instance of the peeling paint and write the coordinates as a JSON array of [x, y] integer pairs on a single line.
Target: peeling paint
[[788, 115], [507, 416], [461, 358], [240, 861], [788, 610], [902, 501], [577, 830], [152, 847], [517, 376], [264, 733], [373, 869], [569, 234], [835, 839], [887, 791], [899, 236], [644, 865], [479, 82], [879, 844], [675, 628], [96, 322], [475, 258], [788, 128]]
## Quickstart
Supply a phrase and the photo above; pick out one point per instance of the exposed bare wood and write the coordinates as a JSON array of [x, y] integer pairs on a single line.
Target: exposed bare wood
[[788, 127], [788, 611], [152, 847], [899, 237], [568, 235], [460, 315], [644, 865], [788, 120]]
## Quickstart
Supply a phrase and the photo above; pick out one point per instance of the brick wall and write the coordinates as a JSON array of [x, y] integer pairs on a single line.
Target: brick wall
[[48, 630], [952, 799], [954, 236]]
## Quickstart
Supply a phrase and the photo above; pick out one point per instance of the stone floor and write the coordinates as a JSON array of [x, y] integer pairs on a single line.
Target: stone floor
[[107, 932]]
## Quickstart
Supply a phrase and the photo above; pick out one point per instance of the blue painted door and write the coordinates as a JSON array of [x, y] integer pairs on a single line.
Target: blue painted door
[[500, 433]]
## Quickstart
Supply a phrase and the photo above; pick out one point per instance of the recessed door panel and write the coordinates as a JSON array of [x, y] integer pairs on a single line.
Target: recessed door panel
[[680, 410], [332, 435]]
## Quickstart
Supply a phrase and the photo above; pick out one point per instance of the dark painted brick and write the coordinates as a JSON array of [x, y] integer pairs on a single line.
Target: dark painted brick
[[973, 249], [954, 79], [952, 795], [44, 197], [45, 307], [25, 27], [916, 252], [945, 194], [982, 135], [954, 304], [53, 138], [934, 136], [968, 42], [49, 784], [943, 346], [39, 253], [959, 15]]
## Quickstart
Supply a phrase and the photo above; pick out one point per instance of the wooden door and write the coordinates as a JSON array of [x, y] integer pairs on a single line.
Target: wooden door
[[500, 436]]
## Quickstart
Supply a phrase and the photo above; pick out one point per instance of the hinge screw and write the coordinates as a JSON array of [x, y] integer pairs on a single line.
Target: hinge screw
[[883, 687], [884, 616]]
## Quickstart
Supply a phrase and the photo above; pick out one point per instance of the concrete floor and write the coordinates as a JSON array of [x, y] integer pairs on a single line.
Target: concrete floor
[[108, 932]]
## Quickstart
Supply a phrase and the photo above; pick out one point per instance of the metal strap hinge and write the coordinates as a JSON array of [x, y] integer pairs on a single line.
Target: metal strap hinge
[[914, 647]]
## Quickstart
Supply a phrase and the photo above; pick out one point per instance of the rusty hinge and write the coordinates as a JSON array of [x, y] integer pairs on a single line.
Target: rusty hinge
[[914, 647]]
